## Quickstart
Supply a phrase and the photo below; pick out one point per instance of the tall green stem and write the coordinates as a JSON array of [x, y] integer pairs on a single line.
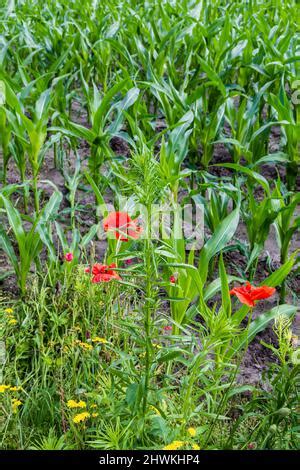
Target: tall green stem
[[148, 309], [36, 194]]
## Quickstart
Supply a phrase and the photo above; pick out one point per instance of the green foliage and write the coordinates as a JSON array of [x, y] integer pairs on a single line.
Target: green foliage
[[162, 104]]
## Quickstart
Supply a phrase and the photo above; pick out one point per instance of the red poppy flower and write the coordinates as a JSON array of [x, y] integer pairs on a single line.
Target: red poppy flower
[[87, 269], [248, 294], [104, 273], [172, 279], [69, 257], [129, 261], [251, 445], [167, 328], [123, 227]]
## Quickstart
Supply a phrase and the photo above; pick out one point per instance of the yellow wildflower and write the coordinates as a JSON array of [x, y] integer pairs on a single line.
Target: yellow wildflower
[[14, 389], [81, 417], [72, 404], [195, 447], [75, 404], [3, 388], [93, 405], [174, 445], [155, 409], [15, 404], [8, 310], [96, 339], [94, 415], [13, 321], [85, 346], [192, 432], [81, 404]]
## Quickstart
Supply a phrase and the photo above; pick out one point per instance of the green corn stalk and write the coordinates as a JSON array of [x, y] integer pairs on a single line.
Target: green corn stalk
[[286, 224], [28, 241], [5, 136], [36, 130], [99, 136], [258, 215], [281, 104]]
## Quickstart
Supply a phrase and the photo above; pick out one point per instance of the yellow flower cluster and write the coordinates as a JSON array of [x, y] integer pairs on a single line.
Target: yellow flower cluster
[[175, 445], [81, 417], [76, 404], [97, 339], [85, 346], [9, 388], [10, 318], [192, 432], [15, 404]]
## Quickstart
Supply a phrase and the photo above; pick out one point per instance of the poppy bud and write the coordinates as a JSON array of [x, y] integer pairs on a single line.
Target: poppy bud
[[284, 412], [251, 445], [69, 257], [273, 429], [167, 328]]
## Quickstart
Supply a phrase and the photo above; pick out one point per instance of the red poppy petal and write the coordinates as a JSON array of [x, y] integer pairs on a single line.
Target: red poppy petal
[[106, 277], [244, 298], [116, 220], [96, 278], [263, 292], [98, 268]]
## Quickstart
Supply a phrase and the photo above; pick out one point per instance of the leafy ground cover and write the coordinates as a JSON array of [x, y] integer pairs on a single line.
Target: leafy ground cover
[[119, 330]]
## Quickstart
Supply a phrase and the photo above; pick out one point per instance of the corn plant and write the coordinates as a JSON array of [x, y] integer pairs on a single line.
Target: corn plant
[[286, 224], [98, 137], [29, 241], [5, 132], [36, 130], [281, 105]]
